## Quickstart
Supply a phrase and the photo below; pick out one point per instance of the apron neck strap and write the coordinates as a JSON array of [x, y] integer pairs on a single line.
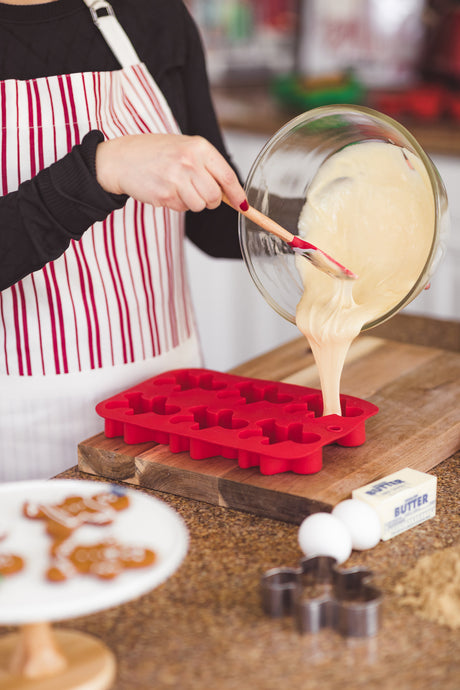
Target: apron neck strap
[[113, 33]]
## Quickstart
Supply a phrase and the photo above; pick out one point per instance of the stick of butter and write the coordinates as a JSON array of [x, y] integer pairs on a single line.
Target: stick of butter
[[402, 500]]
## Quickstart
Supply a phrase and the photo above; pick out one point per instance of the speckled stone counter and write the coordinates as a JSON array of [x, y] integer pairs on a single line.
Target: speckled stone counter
[[204, 628]]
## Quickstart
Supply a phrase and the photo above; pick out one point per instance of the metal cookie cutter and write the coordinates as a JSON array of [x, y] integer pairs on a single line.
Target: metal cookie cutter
[[344, 601]]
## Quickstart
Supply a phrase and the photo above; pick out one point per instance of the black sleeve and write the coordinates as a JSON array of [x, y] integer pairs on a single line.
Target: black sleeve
[[38, 221], [213, 231]]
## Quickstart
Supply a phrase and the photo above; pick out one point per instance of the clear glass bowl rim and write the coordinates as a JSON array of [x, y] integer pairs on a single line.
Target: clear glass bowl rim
[[439, 195]]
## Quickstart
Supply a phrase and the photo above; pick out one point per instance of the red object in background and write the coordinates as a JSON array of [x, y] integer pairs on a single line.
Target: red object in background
[[389, 102], [453, 105], [276, 426], [425, 102]]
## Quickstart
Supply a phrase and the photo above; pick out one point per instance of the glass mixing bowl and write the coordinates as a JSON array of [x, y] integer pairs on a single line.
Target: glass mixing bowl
[[278, 182]]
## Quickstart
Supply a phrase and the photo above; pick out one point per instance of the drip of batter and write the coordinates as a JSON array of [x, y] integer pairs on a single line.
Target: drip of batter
[[371, 207]]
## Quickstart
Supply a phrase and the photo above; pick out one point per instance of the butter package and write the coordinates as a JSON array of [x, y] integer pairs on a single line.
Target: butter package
[[402, 500]]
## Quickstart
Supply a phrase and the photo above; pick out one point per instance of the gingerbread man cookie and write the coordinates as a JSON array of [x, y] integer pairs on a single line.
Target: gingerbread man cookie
[[62, 519], [105, 560], [10, 564]]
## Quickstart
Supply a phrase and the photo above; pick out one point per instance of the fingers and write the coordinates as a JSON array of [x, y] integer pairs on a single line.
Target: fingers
[[226, 178], [208, 174], [175, 171], [201, 191]]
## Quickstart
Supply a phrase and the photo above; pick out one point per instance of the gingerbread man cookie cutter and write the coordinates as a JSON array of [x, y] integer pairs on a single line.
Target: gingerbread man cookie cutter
[[344, 600]]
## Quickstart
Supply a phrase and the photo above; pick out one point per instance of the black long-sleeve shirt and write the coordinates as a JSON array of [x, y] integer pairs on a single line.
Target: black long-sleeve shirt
[[38, 220]]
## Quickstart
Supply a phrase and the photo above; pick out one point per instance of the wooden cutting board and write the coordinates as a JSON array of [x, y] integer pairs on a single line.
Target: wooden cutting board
[[416, 388]]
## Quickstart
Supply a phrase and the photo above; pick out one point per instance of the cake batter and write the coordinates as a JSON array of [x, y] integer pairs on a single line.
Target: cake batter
[[371, 207]]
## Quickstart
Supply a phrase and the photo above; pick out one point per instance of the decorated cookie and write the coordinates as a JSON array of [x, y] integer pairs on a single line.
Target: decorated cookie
[[62, 519], [10, 564], [105, 560]]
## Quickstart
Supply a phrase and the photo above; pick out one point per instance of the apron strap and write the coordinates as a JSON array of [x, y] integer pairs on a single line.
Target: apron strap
[[113, 33]]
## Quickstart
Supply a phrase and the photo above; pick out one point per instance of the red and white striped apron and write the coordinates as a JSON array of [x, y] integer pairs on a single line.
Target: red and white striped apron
[[115, 307]]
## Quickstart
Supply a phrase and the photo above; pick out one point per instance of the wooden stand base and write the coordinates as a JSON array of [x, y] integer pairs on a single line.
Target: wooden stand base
[[38, 658]]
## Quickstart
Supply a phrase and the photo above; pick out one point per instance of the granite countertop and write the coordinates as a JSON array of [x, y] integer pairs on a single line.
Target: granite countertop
[[205, 628]]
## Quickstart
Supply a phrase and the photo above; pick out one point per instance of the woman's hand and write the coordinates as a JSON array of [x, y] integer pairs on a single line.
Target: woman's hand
[[172, 170]]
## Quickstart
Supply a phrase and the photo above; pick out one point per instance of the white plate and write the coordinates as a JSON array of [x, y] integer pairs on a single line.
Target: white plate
[[28, 597]]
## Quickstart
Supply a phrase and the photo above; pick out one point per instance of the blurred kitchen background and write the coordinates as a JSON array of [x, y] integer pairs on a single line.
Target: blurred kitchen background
[[270, 60]]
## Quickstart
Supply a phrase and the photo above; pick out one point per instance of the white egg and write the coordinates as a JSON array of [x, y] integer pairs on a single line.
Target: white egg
[[362, 522], [322, 534]]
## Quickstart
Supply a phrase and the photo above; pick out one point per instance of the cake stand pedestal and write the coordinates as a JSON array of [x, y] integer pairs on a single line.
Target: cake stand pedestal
[[40, 658]]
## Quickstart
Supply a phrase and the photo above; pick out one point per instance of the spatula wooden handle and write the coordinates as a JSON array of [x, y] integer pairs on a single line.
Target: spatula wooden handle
[[317, 257], [263, 221]]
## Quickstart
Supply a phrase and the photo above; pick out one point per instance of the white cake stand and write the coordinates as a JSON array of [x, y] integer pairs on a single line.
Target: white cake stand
[[37, 656]]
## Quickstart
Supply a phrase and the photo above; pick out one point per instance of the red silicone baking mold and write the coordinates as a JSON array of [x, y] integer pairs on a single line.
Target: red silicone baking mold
[[277, 426]]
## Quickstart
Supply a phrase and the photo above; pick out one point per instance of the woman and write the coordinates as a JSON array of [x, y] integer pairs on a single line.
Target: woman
[[108, 136]]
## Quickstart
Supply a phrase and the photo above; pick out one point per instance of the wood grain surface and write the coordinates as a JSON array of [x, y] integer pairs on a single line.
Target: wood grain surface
[[89, 664], [416, 388]]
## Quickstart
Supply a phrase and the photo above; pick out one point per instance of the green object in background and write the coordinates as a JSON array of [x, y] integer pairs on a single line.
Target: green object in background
[[304, 94]]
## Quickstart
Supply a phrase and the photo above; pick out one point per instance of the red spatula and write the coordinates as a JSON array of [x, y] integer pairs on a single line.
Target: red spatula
[[316, 256]]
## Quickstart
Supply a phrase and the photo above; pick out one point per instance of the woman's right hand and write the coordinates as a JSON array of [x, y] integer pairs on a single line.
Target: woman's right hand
[[173, 170]]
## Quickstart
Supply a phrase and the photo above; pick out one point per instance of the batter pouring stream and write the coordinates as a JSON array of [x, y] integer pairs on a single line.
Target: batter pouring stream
[[371, 206]]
